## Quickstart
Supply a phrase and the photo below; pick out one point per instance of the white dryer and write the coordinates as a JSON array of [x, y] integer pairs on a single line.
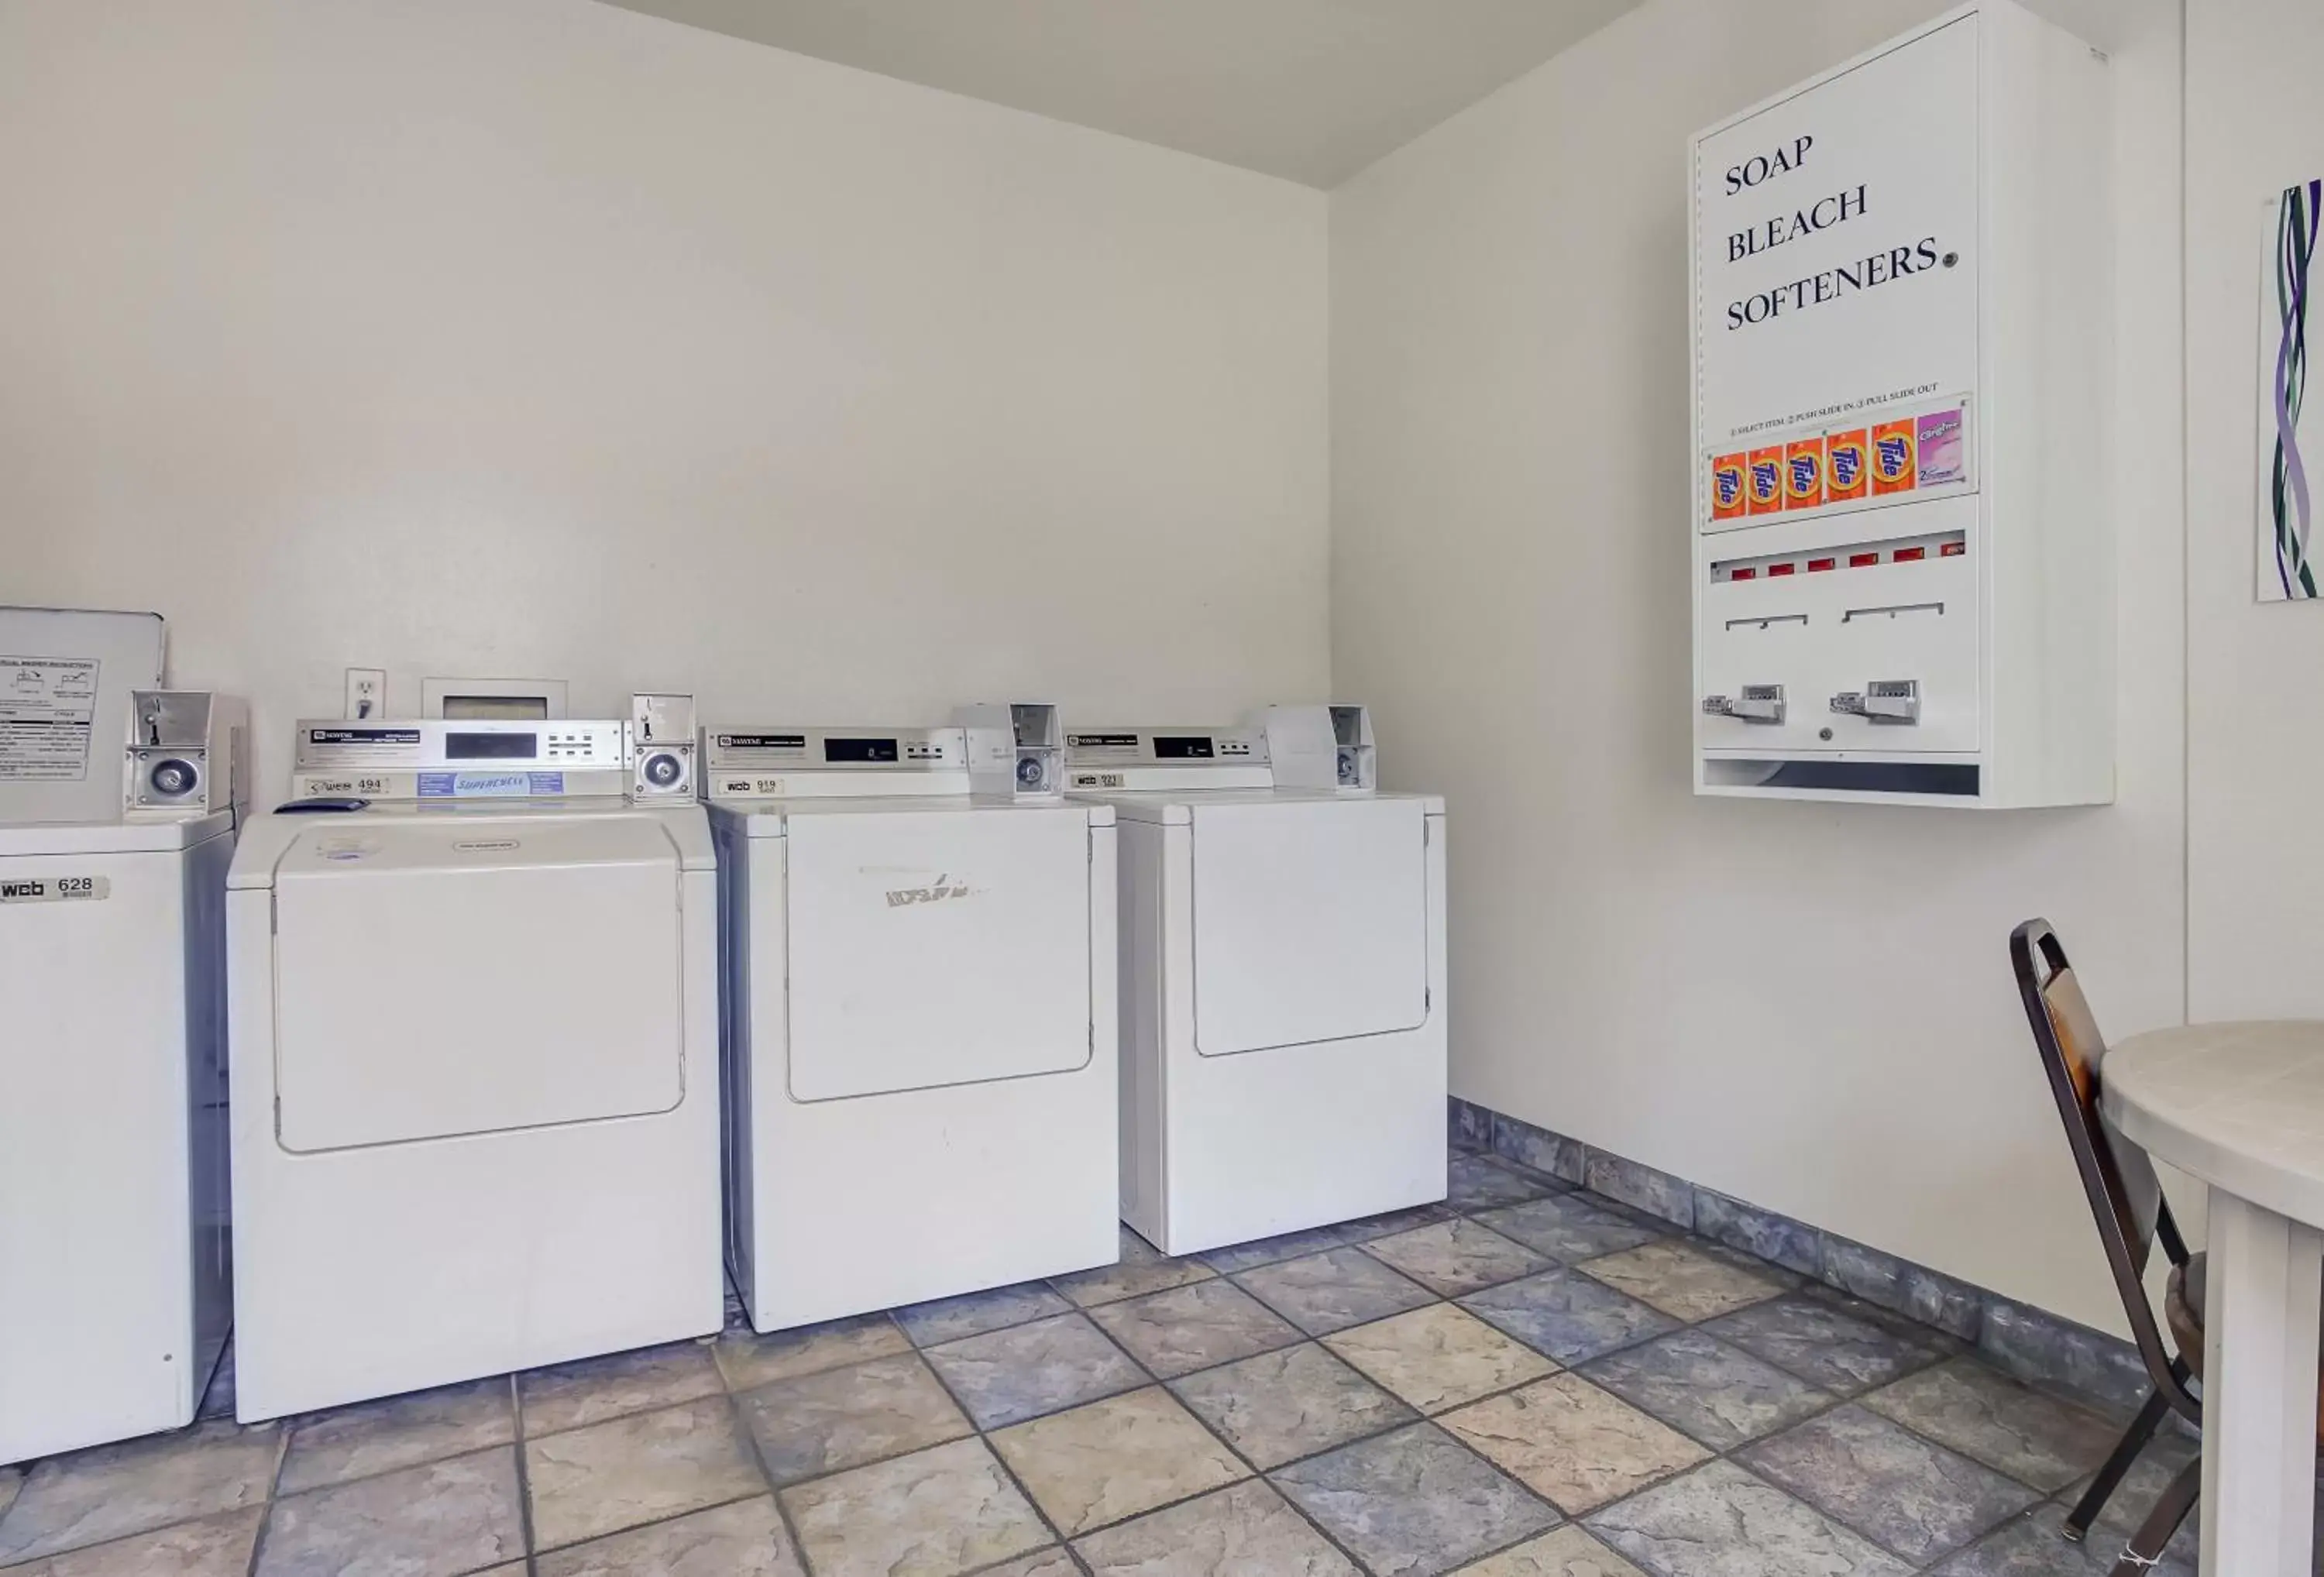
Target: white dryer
[[1282, 976], [920, 1022], [475, 1057], [117, 811]]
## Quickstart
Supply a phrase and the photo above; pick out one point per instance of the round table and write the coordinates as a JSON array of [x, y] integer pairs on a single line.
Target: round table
[[2241, 1106]]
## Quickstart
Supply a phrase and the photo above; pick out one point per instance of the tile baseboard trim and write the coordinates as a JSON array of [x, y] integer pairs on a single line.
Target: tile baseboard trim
[[2038, 1347]]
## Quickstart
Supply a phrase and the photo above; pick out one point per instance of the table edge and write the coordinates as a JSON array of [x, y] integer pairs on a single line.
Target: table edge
[[2211, 1160]]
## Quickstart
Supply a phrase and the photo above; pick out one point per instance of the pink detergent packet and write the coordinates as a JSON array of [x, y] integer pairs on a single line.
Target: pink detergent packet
[[1944, 453]]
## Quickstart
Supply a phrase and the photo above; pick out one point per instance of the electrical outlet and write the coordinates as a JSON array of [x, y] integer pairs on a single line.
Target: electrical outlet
[[366, 692]]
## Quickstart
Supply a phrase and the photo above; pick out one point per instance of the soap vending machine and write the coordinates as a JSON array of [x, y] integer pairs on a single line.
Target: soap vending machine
[[1902, 556]]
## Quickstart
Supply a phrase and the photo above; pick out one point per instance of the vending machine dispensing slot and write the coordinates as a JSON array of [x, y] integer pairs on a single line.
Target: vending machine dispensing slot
[[1841, 554]]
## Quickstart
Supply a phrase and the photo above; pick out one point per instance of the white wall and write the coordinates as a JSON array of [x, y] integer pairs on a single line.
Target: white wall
[[539, 337], [2255, 674], [1806, 1006]]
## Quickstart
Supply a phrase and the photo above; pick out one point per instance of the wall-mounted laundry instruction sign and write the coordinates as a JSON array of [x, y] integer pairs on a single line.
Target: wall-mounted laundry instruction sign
[[48, 711], [1836, 271]]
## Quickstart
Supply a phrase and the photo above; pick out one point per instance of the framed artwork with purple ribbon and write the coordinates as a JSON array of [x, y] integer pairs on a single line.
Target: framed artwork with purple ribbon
[[2291, 430]]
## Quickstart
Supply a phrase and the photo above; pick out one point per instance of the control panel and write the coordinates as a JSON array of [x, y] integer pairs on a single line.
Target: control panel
[[460, 759], [1139, 759], [779, 762]]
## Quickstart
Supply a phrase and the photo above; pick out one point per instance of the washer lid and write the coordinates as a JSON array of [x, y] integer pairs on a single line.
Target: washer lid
[[435, 977], [112, 837], [1310, 919], [365, 846], [1169, 808]]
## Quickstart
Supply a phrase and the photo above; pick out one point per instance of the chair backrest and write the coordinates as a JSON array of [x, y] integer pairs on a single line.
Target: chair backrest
[[2125, 1197]]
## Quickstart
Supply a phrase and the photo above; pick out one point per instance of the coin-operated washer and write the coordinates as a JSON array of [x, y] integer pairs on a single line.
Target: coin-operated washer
[[1282, 975], [474, 981], [118, 802], [920, 1022]]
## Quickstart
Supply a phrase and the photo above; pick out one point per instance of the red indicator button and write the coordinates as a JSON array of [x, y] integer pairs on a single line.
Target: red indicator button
[[1781, 568], [1816, 564], [1953, 549], [1742, 574], [1908, 555], [1858, 560]]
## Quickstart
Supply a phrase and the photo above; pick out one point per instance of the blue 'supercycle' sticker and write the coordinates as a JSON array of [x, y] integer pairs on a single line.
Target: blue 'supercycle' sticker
[[489, 784]]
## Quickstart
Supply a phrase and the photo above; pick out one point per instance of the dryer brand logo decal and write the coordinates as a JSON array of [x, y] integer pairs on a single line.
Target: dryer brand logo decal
[[936, 891], [53, 889], [362, 736], [489, 784]]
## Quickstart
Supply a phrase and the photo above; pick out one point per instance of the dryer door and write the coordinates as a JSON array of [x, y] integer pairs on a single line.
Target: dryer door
[[936, 947], [455, 975], [1311, 922]]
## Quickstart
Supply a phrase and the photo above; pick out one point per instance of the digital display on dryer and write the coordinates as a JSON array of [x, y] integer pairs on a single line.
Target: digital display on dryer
[[859, 750], [491, 747], [1182, 747]]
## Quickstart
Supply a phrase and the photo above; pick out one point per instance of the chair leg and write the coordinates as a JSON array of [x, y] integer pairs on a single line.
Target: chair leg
[[2102, 1488], [2171, 1508]]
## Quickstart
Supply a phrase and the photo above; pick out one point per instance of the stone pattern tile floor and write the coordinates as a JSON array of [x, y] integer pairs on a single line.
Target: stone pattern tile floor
[[1527, 1381]]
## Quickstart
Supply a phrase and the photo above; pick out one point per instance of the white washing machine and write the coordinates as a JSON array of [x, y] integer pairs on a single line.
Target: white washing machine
[[475, 1058], [1282, 976], [116, 823], [920, 1022]]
